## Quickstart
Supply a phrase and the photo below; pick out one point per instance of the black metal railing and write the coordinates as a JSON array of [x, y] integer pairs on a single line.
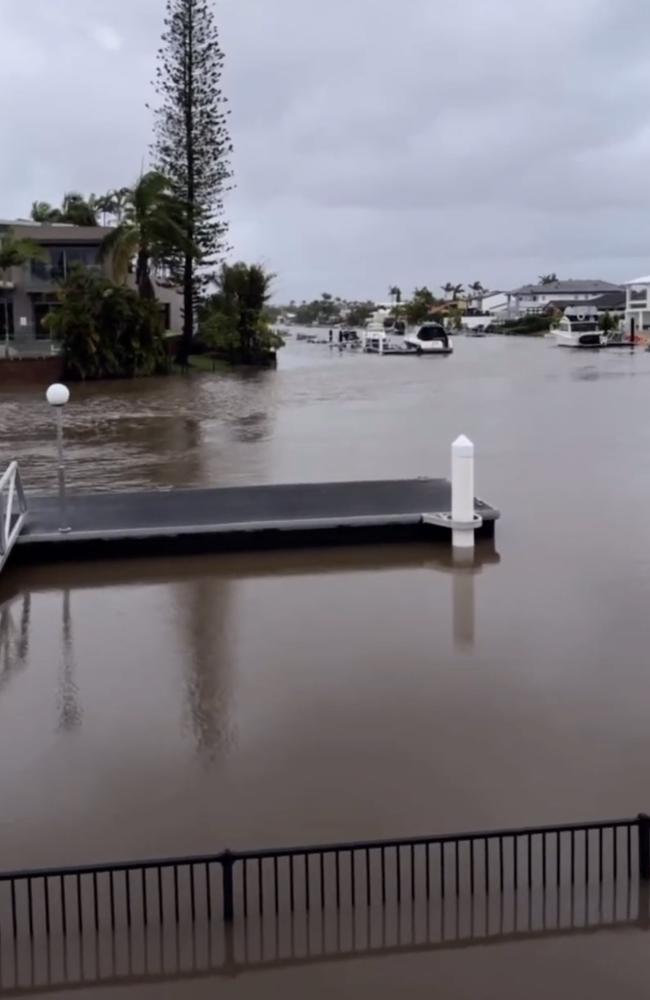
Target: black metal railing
[[236, 911], [329, 876]]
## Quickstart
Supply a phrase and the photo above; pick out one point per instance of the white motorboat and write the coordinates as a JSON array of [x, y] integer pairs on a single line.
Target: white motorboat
[[432, 338], [374, 336], [579, 327]]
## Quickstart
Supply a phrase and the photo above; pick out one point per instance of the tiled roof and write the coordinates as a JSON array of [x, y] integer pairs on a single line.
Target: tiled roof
[[573, 286]]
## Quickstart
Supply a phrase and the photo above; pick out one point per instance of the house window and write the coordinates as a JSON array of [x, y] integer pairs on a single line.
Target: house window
[[41, 310], [41, 269], [61, 259], [52, 268], [638, 298], [57, 265], [88, 256], [165, 310], [9, 315]]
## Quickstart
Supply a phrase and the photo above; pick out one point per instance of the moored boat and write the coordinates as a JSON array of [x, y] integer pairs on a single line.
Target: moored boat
[[579, 327], [432, 338]]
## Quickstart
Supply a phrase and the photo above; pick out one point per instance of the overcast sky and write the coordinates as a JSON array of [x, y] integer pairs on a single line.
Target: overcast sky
[[376, 142]]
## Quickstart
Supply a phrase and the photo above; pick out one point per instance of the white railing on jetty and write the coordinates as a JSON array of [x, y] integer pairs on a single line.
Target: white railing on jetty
[[13, 510]]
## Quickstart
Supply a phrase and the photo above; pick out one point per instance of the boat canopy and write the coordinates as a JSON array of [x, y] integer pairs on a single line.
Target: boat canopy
[[433, 331]]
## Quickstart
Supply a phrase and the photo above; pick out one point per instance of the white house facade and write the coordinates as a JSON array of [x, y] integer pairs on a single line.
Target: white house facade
[[637, 305], [488, 302]]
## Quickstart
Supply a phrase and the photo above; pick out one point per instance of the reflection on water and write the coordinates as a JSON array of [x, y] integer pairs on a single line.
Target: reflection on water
[[185, 952], [14, 637], [463, 605], [203, 606], [69, 710], [187, 682], [202, 615]]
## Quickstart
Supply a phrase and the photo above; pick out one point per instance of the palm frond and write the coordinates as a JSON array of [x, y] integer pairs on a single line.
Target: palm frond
[[120, 247]]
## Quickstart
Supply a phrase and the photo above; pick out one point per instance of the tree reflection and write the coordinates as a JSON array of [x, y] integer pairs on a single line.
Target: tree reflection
[[14, 639], [67, 699]]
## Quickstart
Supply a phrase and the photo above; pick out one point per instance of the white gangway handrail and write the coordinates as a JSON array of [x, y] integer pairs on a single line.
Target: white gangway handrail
[[13, 510]]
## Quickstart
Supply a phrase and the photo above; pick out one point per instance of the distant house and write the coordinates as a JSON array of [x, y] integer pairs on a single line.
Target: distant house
[[533, 299], [31, 291], [637, 305], [475, 311], [495, 302], [492, 302]]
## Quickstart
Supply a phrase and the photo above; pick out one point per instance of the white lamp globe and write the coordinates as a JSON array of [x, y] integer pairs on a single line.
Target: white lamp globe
[[57, 394]]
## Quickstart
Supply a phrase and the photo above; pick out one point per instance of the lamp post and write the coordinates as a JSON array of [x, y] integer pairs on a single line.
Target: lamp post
[[57, 396]]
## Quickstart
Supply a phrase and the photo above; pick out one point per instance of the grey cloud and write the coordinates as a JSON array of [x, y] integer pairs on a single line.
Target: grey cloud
[[374, 142]]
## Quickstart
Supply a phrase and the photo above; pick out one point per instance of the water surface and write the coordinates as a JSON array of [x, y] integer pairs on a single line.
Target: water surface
[[178, 705]]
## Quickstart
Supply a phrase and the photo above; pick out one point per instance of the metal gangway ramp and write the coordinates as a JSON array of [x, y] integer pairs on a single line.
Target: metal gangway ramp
[[13, 510]]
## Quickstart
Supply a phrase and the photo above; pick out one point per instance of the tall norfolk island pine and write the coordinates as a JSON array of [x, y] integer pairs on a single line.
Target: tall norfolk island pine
[[192, 142]]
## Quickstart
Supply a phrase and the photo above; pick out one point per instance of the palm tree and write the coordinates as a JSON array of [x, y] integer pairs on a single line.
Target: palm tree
[[15, 253], [453, 290], [548, 279], [479, 291], [75, 210], [121, 196], [150, 230], [105, 203], [113, 203], [395, 293], [42, 211]]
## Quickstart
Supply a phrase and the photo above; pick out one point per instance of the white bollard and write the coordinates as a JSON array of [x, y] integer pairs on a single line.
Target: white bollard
[[462, 492]]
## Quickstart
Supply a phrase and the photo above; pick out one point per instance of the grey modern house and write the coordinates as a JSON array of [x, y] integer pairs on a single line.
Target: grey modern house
[[30, 292], [531, 299]]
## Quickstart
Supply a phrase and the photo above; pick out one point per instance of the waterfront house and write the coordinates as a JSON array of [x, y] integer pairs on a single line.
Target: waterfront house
[[535, 299], [31, 291], [609, 302], [637, 305]]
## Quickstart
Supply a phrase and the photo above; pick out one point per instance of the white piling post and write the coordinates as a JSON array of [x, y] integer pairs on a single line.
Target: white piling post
[[462, 493], [57, 396]]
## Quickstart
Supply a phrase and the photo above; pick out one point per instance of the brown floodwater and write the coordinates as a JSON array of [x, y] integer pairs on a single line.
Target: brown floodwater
[[176, 705]]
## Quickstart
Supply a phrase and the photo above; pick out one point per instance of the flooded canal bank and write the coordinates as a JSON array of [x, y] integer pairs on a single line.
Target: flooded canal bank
[[183, 705]]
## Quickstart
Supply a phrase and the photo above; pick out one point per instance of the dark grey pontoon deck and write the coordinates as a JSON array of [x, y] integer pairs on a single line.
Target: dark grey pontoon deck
[[242, 516]]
